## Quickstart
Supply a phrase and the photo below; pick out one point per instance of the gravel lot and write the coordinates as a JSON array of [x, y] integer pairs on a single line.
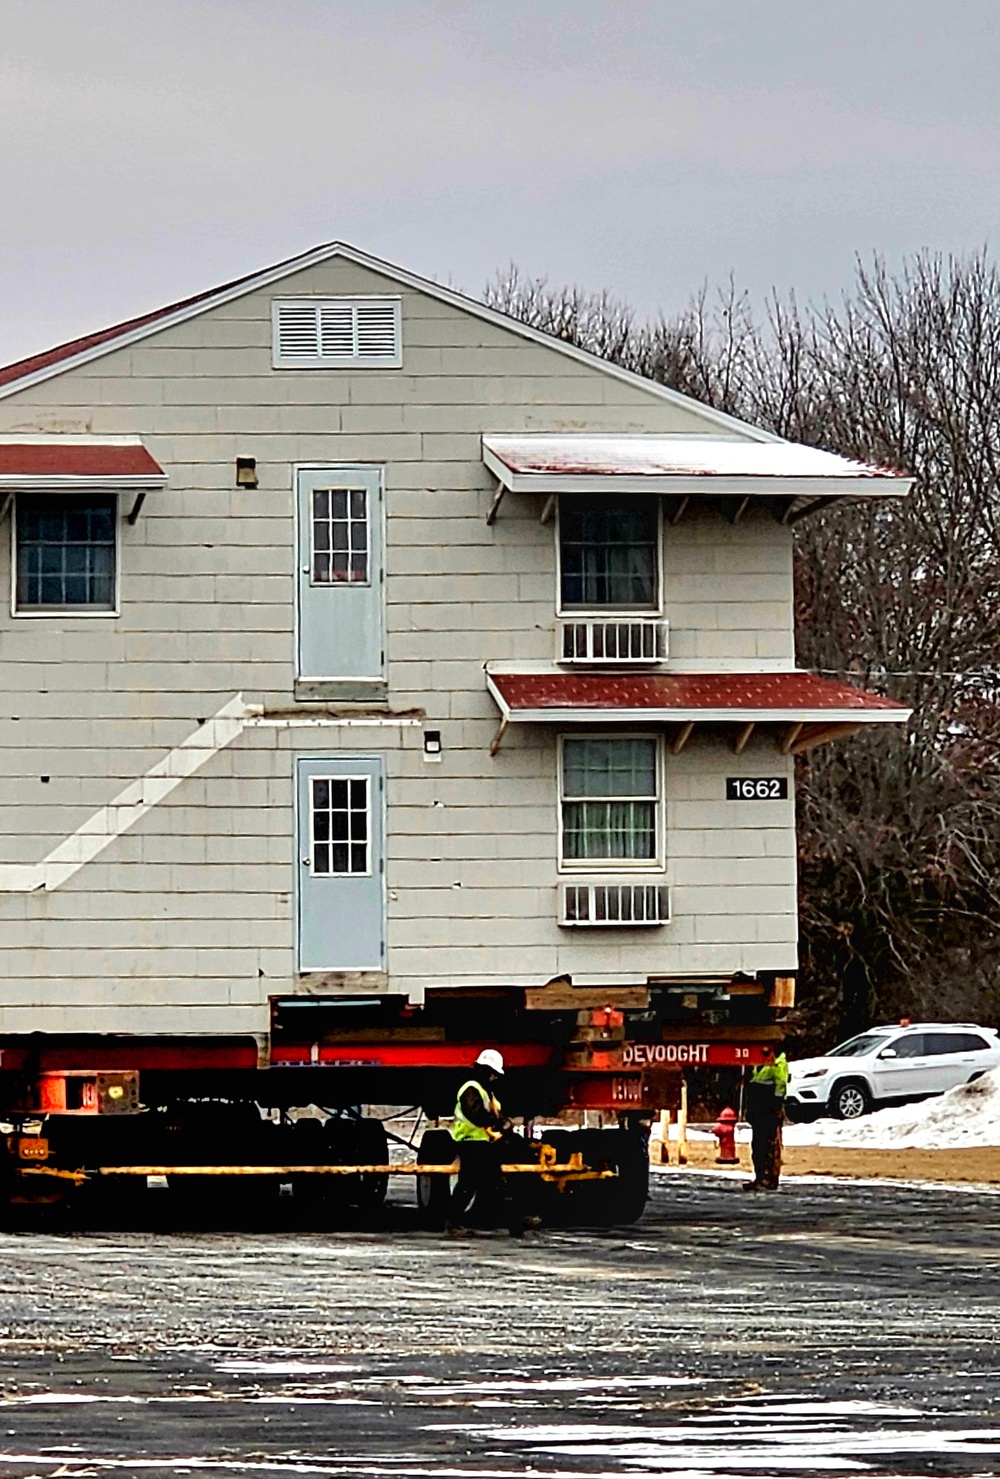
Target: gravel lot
[[832, 1327]]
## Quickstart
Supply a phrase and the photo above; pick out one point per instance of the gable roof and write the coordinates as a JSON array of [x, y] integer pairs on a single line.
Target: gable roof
[[56, 361]]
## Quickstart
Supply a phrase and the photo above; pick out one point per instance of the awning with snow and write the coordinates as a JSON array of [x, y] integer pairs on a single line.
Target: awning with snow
[[807, 709], [788, 479]]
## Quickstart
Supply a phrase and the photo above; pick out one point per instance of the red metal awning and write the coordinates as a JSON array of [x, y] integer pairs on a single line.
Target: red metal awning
[[65, 464], [811, 708]]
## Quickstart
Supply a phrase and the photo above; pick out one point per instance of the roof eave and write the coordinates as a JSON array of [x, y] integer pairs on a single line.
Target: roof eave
[[81, 482]]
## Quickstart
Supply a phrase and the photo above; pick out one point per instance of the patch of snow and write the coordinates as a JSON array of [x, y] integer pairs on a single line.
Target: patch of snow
[[965, 1118]]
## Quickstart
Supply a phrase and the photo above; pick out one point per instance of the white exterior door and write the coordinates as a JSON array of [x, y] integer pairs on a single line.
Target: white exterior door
[[340, 804], [340, 575]]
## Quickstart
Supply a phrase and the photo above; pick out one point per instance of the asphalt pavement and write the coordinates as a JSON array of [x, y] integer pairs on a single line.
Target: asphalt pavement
[[832, 1328]]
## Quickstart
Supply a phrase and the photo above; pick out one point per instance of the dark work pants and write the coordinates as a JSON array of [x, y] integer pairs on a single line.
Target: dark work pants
[[766, 1147], [481, 1185]]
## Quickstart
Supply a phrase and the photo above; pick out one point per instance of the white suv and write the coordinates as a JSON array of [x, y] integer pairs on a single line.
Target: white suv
[[892, 1064]]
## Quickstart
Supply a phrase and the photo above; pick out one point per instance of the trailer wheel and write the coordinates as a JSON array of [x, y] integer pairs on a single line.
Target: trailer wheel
[[619, 1201], [369, 1192], [437, 1148]]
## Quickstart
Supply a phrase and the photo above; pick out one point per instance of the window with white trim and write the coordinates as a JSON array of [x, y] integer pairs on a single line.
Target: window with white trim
[[336, 333], [609, 553], [339, 549], [610, 801], [340, 825], [66, 550]]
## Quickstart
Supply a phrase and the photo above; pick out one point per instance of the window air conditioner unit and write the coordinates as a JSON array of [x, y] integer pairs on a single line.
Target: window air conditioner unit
[[612, 643], [611, 905]]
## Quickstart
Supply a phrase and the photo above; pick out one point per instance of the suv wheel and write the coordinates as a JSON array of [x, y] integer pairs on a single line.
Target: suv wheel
[[850, 1100]]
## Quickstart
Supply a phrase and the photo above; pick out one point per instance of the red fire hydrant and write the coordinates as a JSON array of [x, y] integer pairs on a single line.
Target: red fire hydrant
[[725, 1133]]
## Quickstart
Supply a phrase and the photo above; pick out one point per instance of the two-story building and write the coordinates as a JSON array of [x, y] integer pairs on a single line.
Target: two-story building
[[363, 642]]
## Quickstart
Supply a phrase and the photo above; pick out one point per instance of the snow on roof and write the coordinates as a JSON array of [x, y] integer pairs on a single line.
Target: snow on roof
[[534, 458]]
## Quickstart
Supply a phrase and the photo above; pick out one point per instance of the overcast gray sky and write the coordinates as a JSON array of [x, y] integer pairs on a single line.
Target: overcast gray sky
[[153, 148]]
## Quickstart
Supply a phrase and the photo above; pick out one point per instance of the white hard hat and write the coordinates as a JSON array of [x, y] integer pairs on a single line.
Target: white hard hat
[[490, 1058]]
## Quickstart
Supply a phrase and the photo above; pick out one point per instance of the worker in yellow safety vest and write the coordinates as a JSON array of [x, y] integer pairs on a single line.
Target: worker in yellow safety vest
[[765, 1109], [479, 1131]]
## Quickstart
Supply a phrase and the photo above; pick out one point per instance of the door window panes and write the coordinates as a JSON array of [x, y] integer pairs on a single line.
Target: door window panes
[[339, 536], [609, 553], [610, 796], [66, 551], [341, 832]]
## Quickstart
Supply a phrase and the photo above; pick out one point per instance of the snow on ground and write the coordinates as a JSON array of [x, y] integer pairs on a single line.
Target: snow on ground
[[964, 1118]]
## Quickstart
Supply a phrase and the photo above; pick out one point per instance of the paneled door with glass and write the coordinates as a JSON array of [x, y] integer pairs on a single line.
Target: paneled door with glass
[[340, 805], [340, 606]]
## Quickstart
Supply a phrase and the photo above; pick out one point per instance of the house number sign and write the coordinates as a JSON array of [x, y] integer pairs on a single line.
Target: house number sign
[[740, 788]]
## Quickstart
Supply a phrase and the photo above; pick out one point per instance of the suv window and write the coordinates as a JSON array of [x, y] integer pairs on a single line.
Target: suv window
[[913, 1046], [955, 1042], [859, 1047]]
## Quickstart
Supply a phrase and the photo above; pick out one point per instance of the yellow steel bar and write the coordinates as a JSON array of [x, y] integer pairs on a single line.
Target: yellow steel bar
[[77, 1176], [534, 1168]]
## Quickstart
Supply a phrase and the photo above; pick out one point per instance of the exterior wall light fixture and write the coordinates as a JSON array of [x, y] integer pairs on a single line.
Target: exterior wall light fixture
[[246, 472]]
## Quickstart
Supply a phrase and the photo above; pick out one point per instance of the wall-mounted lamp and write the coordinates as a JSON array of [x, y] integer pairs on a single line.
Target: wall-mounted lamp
[[432, 744], [246, 472]]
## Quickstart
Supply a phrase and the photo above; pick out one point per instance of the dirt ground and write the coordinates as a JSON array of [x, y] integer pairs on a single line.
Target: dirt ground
[[981, 1166]]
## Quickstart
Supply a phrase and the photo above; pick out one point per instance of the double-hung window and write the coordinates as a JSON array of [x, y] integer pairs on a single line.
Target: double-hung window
[[65, 552], [611, 802], [609, 554]]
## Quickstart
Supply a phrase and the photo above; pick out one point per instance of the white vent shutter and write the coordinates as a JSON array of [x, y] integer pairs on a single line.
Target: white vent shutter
[[296, 330], [337, 333], [376, 330], [336, 330]]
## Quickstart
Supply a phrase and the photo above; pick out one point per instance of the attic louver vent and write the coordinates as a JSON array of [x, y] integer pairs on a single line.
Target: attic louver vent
[[337, 333]]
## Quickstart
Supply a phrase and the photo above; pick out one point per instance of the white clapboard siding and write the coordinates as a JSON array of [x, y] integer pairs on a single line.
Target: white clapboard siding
[[184, 921]]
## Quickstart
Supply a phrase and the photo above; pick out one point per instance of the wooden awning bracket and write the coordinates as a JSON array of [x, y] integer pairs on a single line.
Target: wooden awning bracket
[[789, 737], [498, 737], [548, 513], [821, 735], [494, 509], [6, 502], [133, 514], [681, 738], [733, 509], [743, 738]]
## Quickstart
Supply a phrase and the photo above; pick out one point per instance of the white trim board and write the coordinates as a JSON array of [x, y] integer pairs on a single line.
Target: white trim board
[[110, 822], [329, 252]]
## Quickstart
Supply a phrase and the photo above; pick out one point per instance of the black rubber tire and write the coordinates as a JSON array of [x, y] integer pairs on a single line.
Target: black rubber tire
[[617, 1202], [849, 1100], [369, 1192], [437, 1148]]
